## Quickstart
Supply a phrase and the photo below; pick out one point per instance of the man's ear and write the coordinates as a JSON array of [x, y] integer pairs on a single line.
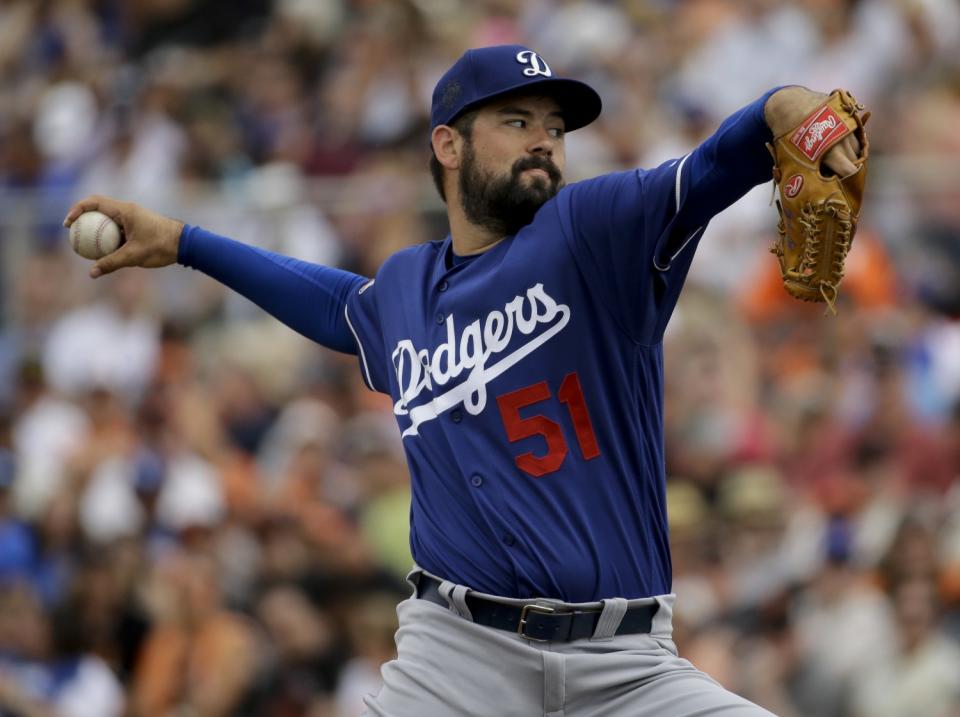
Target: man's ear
[[447, 146]]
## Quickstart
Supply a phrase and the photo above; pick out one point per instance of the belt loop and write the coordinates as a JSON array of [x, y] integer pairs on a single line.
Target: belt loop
[[613, 611], [663, 621], [413, 578], [456, 597]]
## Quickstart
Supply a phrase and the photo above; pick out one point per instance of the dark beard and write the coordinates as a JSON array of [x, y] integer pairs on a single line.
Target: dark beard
[[504, 205]]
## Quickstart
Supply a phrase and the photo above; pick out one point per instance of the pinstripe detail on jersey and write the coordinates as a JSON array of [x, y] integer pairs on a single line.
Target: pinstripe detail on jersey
[[363, 357], [676, 204]]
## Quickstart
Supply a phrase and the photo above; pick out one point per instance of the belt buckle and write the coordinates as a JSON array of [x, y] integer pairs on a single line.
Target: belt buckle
[[533, 607]]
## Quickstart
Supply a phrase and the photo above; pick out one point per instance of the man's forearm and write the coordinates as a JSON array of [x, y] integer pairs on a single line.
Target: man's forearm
[[727, 164], [308, 298]]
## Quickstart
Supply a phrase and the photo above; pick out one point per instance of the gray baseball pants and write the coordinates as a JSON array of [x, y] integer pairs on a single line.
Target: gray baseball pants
[[447, 666]]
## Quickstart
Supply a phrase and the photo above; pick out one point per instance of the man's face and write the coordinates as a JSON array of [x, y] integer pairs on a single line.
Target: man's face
[[512, 163]]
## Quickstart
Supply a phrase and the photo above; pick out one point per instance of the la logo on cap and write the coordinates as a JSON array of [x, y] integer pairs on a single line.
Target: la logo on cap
[[537, 65]]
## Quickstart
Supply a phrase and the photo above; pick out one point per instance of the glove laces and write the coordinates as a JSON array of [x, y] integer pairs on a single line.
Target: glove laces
[[826, 227]]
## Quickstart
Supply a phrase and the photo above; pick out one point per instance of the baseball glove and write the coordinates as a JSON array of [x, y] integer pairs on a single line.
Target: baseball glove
[[818, 209]]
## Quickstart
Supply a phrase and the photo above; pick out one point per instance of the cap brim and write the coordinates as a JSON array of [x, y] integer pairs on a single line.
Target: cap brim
[[579, 102]]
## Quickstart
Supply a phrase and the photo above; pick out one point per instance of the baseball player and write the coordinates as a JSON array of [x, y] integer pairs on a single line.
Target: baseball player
[[523, 354]]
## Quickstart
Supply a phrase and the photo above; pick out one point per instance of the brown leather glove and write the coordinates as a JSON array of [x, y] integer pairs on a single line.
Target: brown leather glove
[[818, 210]]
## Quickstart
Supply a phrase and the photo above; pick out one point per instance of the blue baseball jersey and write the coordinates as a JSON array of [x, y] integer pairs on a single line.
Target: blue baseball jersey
[[527, 381]]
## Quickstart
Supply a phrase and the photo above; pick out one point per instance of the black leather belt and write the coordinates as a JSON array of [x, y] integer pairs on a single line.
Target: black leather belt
[[544, 623]]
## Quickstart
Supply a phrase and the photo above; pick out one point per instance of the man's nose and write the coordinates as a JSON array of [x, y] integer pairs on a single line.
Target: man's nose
[[543, 144]]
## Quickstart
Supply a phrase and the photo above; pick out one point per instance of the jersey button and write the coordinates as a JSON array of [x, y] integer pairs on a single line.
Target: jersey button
[[477, 480], [509, 539], [443, 285], [456, 416], [440, 318]]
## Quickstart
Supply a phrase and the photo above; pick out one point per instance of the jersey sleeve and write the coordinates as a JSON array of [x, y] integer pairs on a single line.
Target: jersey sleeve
[[363, 319], [309, 298], [634, 233]]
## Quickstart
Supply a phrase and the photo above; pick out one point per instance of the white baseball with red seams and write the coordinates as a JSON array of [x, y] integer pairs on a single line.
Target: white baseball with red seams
[[94, 235]]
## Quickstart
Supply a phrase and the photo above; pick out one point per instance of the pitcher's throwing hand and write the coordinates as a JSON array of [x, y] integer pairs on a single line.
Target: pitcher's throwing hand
[[151, 240]]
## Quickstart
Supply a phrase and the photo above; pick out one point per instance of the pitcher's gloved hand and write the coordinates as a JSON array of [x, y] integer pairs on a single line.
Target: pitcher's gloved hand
[[819, 206]]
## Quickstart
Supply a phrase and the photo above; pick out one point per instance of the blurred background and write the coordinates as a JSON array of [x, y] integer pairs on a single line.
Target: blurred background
[[202, 513]]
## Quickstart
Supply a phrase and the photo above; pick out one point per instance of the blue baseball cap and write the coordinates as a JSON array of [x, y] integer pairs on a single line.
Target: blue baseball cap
[[485, 73]]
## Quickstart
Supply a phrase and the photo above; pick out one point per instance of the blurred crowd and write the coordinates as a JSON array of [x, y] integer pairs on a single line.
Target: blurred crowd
[[203, 514]]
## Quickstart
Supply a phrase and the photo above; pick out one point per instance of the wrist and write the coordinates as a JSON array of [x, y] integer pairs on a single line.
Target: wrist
[[175, 239]]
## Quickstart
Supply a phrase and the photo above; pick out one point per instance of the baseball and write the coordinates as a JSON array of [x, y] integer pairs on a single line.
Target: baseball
[[94, 235]]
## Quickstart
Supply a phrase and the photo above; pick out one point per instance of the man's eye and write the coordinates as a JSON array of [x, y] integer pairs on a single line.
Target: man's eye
[[519, 123], [556, 132]]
